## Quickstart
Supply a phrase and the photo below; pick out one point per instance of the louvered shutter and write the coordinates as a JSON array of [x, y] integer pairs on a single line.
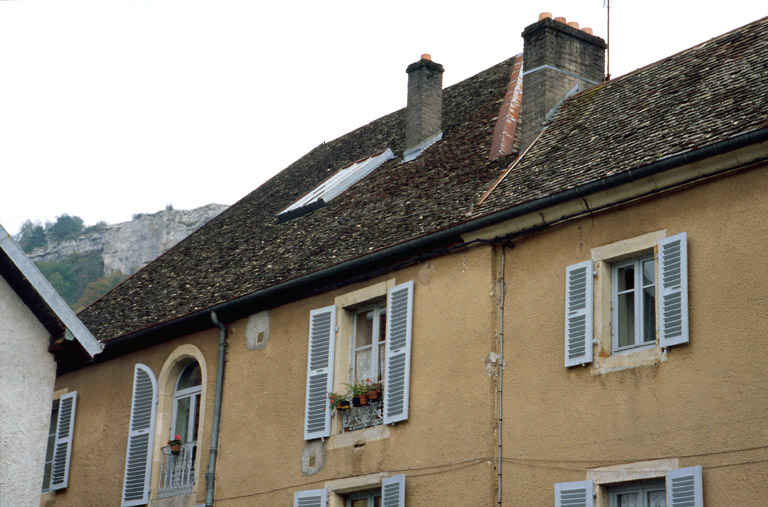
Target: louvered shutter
[[398, 370], [311, 498], [684, 488], [578, 314], [673, 290], [574, 494], [62, 449], [141, 431], [393, 491], [322, 339]]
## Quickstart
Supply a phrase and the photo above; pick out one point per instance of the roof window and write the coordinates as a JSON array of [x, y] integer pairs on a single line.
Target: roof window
[[335, 185]]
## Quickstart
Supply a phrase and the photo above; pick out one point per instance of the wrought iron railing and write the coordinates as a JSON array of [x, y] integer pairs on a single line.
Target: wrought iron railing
[[364, 416], [177, 471]]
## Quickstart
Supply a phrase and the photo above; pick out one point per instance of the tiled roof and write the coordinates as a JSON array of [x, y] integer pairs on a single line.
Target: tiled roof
[[246, 249], [709, 93], [706, 94]]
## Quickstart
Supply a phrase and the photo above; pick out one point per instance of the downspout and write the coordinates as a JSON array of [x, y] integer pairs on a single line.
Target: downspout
[[500, 367], [211, 474]]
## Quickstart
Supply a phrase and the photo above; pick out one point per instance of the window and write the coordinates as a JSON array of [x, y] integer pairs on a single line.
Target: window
[[367, 499], [378, 338], [614, 298], [634, 303], [186, 402], [638, 494], [51, 445]]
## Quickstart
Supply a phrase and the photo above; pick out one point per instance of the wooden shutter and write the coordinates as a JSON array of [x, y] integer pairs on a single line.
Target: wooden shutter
[[398, 369], [141, 432], [62, 449], [578, 313], [684, 487], [311, 498], [322, 339], [393, 491], [673, 290], [574, 494]]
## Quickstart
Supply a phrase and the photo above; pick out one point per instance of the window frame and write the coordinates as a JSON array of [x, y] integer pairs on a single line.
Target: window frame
[[371, 495], [379, 309], [51, 445], [194, 394], [638, 291], [642, 487]]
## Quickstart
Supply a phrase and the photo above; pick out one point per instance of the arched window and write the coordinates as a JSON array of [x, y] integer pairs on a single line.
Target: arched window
[[186, 403]]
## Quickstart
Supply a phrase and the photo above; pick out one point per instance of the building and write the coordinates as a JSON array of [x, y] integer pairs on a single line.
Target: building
[[38, 332], [563, 309]]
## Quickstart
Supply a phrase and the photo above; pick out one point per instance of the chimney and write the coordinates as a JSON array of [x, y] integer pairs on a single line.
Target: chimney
[[424, 111], [559, 60]]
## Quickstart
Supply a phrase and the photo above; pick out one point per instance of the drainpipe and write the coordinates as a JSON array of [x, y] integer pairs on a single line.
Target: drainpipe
[[211, 474], [500, 367]]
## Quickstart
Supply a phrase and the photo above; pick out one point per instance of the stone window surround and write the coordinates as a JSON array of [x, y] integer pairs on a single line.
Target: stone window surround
[[604, 477], [342, 369], [603, 257], [339, 488]]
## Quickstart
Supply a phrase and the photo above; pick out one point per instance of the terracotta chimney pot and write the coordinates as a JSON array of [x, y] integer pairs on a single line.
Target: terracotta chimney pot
[[426, 56], [560, 20], [545, 15], [573, 24], [587, 30]]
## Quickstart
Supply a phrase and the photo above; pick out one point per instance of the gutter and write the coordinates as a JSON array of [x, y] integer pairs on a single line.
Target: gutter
[[200, 319], [210, 476]]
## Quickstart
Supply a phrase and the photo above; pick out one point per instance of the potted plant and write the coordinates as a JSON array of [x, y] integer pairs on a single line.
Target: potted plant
[[359, 392], [175, 444], [374, 390], [339, 401]]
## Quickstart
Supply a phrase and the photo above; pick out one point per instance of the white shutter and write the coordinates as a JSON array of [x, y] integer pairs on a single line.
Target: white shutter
[[578, 313], [322, 339], [62, 449], [398, 370], [393, 491], [311, 498], [673, 290], [684, 488], [574, 494], [141, 432]]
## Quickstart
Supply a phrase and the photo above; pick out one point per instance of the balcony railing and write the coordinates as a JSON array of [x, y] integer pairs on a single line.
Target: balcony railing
[[362, 417], [177, 471]]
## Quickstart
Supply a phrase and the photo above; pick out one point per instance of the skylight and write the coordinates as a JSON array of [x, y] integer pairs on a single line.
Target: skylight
[[335, 185]]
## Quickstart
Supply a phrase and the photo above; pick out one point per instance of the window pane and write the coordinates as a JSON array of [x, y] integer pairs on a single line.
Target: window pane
[[657, 499], [626, 324], [377, 501], [628, 500], [196, 428], [182, 418], [382, 326], [190, 376], [363, 329], [360, 502], [382, 361], [649, 277], [363, 364], [47, 476], [626, 277], [649, 314]]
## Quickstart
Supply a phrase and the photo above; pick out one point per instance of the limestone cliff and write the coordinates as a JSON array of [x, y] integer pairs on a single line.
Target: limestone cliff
[[129, 246]]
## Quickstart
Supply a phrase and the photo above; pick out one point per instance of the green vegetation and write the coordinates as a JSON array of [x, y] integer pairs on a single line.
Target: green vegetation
[[72, 275], [98, 288], [33, 234]]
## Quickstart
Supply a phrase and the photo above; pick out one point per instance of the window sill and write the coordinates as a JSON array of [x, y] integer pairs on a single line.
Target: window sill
[[631, 358], [358, 437]]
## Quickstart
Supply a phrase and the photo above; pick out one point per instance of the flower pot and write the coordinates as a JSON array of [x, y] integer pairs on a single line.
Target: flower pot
[[374, 395], [341, 407], [175, 449], [363, 399]]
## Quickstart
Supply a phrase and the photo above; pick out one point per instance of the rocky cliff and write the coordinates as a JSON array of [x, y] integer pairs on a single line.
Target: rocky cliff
[[129, 246]]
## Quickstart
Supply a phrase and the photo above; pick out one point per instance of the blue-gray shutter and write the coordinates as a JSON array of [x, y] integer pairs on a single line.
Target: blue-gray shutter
[[684, 487], [62, 449], [397, 377], [322, 339], [673, 290], [311, 498], [141, 432], [578, 313], [574, 494], [393, 491]]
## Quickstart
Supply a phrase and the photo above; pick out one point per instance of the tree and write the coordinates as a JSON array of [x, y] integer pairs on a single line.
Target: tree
[[98, 288], [31, 236], [66, 227]]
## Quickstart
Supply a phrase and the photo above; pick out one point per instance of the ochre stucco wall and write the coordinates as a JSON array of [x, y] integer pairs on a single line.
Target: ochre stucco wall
[[27, 372], [707, 404]]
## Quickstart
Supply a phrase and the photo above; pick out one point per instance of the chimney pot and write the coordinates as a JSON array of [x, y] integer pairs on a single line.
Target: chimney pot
[[573, 24], [426, 56], [545, 15], [560, 20], [587, 30]]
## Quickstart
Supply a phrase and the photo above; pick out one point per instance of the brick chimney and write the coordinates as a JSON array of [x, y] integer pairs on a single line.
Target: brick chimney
[[556, 57], [424, 111]]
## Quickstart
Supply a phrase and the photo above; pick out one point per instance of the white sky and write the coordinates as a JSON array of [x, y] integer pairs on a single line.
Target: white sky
[[115, 107]]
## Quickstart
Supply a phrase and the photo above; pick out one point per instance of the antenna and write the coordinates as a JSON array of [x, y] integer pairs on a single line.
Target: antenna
[[607, 5]]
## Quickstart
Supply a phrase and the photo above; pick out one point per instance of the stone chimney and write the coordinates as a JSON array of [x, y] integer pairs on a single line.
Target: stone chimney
[[424, 111], [559, 60]]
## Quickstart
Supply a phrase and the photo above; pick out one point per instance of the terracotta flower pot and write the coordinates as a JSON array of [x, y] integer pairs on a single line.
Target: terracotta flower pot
[[374, 395], [175, 449], [363, 399]]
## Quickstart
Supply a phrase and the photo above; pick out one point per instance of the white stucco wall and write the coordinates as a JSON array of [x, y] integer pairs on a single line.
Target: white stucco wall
[[27, 374]]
